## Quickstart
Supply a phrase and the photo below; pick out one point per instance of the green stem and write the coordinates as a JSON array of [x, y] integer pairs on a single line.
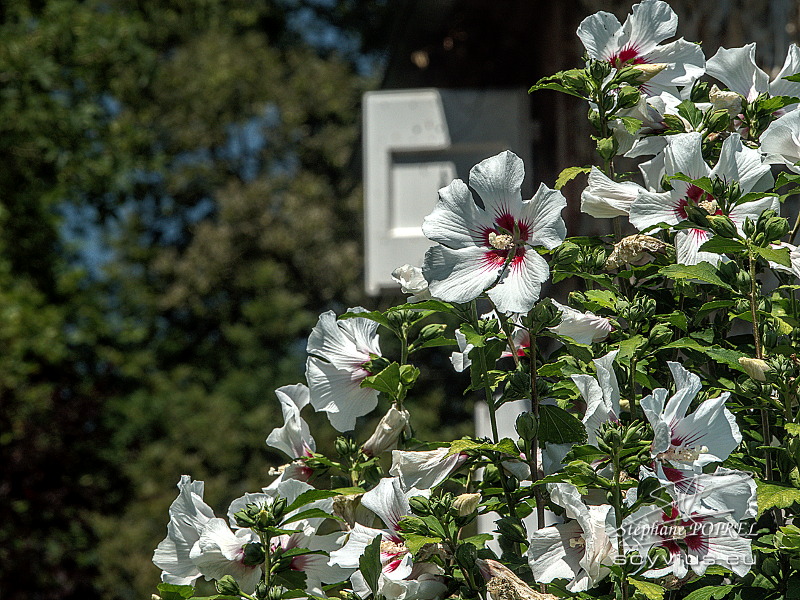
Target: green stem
[[760, 355], [633, 388], [618, 514]]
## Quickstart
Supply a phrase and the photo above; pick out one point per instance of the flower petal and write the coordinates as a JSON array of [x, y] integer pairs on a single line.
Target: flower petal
[[521, 283], [459, 275], [736, 68]]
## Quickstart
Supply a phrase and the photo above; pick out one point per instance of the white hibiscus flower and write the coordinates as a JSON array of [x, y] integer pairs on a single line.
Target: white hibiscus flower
[[737, 163], [293, 439], [601, 395], [188, 515], [737, 69], [400, 577], [581, 549], [339, 352], [637, 42], [487, 234], [686, 443], [582, 327]]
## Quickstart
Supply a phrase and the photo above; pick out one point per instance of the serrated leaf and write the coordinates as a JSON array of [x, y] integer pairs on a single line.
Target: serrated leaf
[[557, 426], [772, 495], [479, 541], [311, 513], [170, 591], [717, 353], [601, 298], [387, 381], [631, 125], [435, 342], [691, 113], [676, 319], [433, 306], [702, 271], [710, 592], [709, 307], [651, 590], [569, 174], [776, 255], [370, 564], [373, 315], [721, 245], [415, 542], [784, 178], [792, 428], [309, 497]]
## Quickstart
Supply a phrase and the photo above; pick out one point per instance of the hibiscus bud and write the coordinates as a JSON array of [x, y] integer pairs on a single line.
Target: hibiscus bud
[[649, 70], [527, 426], [227, 585], [697, 215], [755, 367], [723, 226], [412, 281], [344, 446], [599, 70], [430, 332], [388, 431], [717, 121], [420, 505], [628, 97], [466, 504], [253, 555], [660, 334], [776, 228], [544, 314], [730, 102]]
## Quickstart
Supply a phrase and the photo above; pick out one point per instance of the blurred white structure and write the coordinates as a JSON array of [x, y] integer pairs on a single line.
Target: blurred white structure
[[418, 141]]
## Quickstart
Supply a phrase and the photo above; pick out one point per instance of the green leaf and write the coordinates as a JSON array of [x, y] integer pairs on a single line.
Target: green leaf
[[709, 307], [795, 78], [600, 299], [309, 497], [785, 178], [415, 542], [792, 428], [374, 315], [691, 113], [773, 495], [710, 592], [676, 319], [702, 271], [427, 305], [717, 353], [557, 426], [631, 125], [479, 541], [569, 174], [434, 342], [387, 381], [722, 245], [170, 591], [649, 589], [311, 513], [776, 255], [370, 564]]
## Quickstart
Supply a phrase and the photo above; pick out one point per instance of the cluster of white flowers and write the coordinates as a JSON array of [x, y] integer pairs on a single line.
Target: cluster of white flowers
[[491, 244]]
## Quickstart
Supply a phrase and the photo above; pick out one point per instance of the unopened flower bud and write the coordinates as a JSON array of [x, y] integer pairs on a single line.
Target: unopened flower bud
[[628, 97], [466, 504], [776, 228], [723, 226], [412, 282], [527, 426], [635, 250], [649, 70], [660, 334], [253, 555], [755, 367], [227, 586], [718, 121], [420, 505], [388, 431], [730, 102]]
